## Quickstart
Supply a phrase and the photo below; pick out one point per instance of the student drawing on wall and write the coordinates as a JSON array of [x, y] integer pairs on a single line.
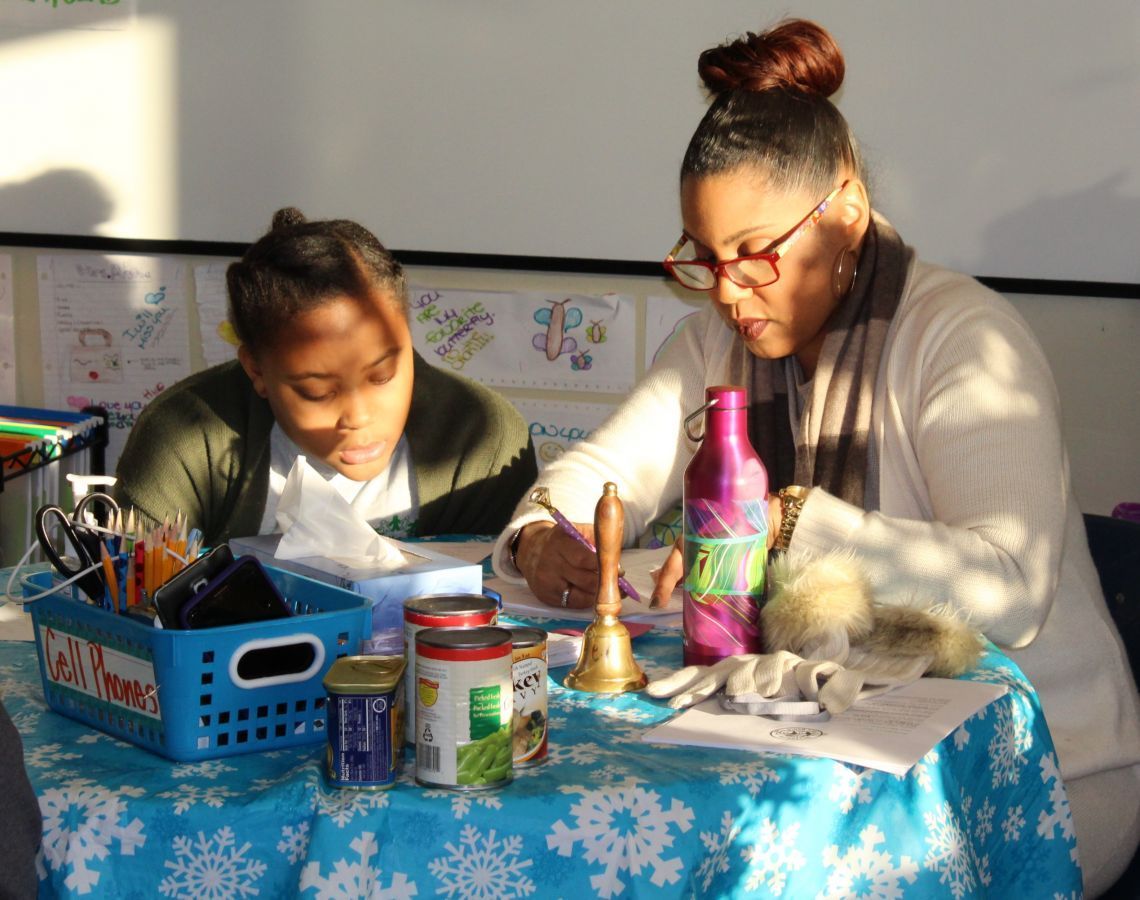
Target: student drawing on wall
[[558, 320], [95, 358], [596, 333]]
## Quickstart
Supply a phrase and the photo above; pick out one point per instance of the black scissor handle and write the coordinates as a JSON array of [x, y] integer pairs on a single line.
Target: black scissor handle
[[94, 497], [92, 583]]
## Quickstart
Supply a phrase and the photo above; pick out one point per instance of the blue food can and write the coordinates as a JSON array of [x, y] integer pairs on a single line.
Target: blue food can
[[365, 721]]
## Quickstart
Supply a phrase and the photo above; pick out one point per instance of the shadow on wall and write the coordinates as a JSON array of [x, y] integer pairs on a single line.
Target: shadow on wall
[[1094, 230], [58, 201]]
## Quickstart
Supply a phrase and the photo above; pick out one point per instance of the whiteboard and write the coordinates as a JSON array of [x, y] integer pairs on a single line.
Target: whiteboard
[[1003, 138]]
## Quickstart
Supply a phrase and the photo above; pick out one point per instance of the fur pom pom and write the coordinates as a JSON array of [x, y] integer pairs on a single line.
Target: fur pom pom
[[951, 643], [816, 602]]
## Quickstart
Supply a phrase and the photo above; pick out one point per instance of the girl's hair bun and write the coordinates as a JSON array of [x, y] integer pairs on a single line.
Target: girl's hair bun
[[287, 218], [796, 55]]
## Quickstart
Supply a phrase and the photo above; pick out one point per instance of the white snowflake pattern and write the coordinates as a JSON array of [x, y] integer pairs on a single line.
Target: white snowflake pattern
[[210, 768], [1012, 738], [923, 768], [482, 867], [752, 776], [1002, 675], [961, 736], [850, 785], [772, 856], [625, 828], [48, 756], [294, 842], [984, 822], [576, 754], [717, 843], [186, 796], [952, 855], [463, 803], [863, 871], [81, 820], [348, 881], [1012, 824], [343, 806], [1059, 818], [211, 868]]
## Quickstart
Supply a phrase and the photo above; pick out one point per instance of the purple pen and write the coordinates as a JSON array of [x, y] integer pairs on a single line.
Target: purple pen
[[541, 497]]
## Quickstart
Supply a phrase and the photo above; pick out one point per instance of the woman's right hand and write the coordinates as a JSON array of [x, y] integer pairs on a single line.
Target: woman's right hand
[[552, 562]]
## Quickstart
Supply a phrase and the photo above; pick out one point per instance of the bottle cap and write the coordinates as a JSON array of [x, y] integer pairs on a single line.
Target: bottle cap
[[727, 396]]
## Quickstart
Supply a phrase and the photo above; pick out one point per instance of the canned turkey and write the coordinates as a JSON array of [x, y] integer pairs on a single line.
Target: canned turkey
[[365, 721], [438, 611], [528, 671], [464, 701]]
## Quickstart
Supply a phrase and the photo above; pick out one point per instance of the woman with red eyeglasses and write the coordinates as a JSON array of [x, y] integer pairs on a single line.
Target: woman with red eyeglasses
[[906, 413]]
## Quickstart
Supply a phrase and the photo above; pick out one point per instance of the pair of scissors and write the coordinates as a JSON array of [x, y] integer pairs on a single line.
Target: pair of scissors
[[84, 540]]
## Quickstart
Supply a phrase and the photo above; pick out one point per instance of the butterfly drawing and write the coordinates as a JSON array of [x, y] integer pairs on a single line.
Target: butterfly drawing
[[596, 332], [558, 320], [581, 362]]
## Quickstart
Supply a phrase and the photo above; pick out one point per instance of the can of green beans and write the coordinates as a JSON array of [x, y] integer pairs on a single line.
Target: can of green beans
[[464, 702], [438, 611]]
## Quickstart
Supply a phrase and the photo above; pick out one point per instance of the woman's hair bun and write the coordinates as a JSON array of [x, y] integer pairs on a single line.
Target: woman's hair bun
[[287, 218], [795, 55]]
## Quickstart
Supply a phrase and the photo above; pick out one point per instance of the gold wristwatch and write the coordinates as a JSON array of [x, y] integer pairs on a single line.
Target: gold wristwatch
[[791, 502]]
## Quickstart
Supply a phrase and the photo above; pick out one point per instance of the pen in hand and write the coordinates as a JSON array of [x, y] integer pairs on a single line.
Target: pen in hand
[[541, 497]]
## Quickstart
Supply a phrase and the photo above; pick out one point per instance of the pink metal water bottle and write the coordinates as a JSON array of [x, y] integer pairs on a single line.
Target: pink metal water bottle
[[725, 534]]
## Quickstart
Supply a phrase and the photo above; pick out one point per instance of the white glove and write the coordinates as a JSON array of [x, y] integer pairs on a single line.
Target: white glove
[[693, 684]]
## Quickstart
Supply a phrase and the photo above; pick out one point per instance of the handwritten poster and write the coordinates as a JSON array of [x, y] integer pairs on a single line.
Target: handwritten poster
[[554, 425], [100, 15], [113, 332], [7, 333], [663, 315], [533, 340], [218, 342]]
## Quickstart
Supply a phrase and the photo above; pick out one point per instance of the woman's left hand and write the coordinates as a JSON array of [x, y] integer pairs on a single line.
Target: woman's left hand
[[667, 577]]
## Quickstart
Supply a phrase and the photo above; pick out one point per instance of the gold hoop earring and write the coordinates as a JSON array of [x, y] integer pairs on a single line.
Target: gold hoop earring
[[843, 272]]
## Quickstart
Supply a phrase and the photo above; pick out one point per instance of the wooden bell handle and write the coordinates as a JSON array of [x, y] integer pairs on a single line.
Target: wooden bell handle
[[609, 520]]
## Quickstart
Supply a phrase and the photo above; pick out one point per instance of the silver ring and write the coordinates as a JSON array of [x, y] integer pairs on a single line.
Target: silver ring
[[565, 598]]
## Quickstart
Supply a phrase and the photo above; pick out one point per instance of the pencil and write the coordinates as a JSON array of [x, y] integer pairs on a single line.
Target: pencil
[[112, 589]]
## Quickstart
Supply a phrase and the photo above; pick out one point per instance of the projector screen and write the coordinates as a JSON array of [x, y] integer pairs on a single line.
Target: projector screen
[[1002, 139]]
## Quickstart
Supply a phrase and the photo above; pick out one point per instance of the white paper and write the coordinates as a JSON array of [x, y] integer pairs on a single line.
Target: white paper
[[639, 566], [890, 732], [15, 624], [7, 333], [532, 340], [219, 344], [555, 426], [663, 316], [114, 334]]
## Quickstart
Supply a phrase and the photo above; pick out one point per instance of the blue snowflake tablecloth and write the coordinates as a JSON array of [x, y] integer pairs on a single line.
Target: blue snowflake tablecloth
[[984, 814]]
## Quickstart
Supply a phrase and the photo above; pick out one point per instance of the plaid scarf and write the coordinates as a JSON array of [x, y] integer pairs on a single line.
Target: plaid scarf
[[832, 445]]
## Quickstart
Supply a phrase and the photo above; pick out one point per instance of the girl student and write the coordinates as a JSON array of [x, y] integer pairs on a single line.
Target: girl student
[[905, 412], [326, 369]]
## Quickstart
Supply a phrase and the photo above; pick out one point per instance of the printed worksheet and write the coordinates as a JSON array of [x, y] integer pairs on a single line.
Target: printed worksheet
[[531, 340], [113, 333], [7, 333], [890, 732]]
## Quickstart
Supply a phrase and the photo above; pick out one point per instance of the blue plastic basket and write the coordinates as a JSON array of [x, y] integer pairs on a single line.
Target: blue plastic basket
[[203, 694]]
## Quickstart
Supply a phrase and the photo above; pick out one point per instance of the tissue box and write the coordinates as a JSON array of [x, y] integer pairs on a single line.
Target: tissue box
[[427, 572]]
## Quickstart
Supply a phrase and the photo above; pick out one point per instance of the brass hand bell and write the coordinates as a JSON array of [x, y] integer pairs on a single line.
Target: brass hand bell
[[605, 663]]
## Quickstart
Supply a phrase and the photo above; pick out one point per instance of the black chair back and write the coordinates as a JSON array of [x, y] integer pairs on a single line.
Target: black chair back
[[1115, 546]]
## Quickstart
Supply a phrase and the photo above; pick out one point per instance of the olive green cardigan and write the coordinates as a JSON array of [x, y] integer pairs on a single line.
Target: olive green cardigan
[[202, 447]]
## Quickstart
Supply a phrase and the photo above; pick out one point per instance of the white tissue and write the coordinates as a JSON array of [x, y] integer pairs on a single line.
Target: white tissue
[[315, 520]]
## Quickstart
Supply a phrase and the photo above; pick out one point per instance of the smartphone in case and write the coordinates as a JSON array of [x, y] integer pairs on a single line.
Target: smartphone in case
[[171, 596], [242, 592]]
